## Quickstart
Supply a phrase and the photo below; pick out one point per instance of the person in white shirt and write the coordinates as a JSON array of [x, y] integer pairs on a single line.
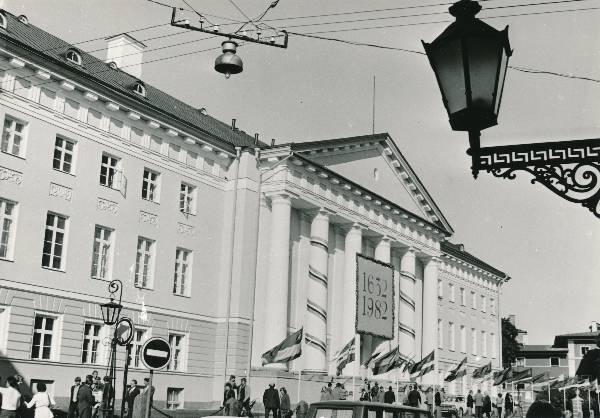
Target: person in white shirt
[[11, 398], [42, 402]]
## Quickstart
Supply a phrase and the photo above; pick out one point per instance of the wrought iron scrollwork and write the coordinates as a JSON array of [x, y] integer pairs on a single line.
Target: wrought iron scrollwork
[[113, 287], [570, 169]]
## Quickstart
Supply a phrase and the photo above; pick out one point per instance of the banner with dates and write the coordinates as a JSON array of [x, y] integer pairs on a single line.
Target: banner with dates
[[374, 297]]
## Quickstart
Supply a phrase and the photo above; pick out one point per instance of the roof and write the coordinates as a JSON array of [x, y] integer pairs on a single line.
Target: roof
[[48, 50], [562, 340], [457, 250], [533, 348]]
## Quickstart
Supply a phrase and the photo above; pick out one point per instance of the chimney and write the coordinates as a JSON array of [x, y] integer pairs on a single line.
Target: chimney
[[233, 124], [126, 52], [512, 320]]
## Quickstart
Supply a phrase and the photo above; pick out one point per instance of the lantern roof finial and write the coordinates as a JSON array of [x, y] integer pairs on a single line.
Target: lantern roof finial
[[465, 9]]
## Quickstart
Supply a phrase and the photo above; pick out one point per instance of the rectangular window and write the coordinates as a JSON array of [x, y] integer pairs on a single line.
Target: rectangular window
[[440, 289], [187, 199], [4, 324], [174, 398], [451, 336], [584, 349], [452, 295], [150, 184], [440, 331], [13, 136], [64, 150], [137, 136], [53, 254], [473, 341], [144, 263], [139, 338], [463, 296], [115, 127], [8, 219], [174, 151], [47, 98], [483, 303], [108, 169], [91, 343], [94, 118], [71, 108], [183, 272], [473, 300], [483, 344], [177, 352], [494, 346], [43, 333], [102, 253], [463, 339], [22, 87], [492, 306], [554, 361], [155, 143]]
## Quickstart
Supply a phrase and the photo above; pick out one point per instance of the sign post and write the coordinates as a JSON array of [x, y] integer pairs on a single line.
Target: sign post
[[155, 354]]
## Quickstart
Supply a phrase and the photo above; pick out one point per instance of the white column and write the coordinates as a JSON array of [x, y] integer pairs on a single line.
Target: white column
[[430, 316], [353, 246], [406, 321], [316, 294], [276, 317]]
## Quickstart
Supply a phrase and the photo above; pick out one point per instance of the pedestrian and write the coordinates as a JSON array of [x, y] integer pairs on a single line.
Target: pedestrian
[[542, 409], [234, 385], [338, 393], [429, 400], [228, 393], [244, 396], [414, 397], [271, 401], [233, 407], [438, 403], [374, 392], [508, 405], [389, 396], [85, 398], [73, 399], [381, 394], [26, 395], [301, 409], [487, 405], [11, 398], [285, 404], [132, 392], [470, 403], [140, 401], [42, 402], [499, 404], [95, 375], [478, 403], [97, 393]]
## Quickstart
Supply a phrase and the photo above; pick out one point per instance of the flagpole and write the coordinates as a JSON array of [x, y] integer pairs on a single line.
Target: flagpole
[[357, 348], [299, 382]]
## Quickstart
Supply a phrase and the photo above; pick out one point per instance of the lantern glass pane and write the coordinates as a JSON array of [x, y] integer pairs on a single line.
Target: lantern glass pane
[[448, 64], [483, 69], [503, 66]]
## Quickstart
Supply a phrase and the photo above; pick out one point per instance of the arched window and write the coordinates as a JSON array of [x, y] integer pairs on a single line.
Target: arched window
[[2, 20], [139, 88], [73, 56]]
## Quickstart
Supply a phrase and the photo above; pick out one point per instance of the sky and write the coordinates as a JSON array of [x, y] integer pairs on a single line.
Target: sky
[[321, 89]]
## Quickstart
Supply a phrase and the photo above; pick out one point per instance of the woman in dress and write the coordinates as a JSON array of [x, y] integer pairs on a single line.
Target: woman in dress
[[285, 403], [42, 402]]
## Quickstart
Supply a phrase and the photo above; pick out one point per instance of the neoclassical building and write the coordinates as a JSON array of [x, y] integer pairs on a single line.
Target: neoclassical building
[[225, 245]]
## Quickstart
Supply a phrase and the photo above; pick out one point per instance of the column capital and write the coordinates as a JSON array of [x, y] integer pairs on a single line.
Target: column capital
[[280, 197], [321, 212], [433, 260], [410, 251]]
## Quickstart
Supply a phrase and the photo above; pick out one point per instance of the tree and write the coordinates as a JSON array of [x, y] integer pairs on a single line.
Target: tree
[[510, 345]]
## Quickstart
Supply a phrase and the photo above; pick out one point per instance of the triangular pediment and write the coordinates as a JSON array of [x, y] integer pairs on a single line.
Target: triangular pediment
[[375, 163]]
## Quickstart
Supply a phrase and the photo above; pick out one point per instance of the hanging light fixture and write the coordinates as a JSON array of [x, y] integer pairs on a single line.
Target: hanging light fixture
[[228, 62]]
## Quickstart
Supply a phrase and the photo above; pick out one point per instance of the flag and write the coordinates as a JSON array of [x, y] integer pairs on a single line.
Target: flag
[[482, 371], [389, 361], [458, 371], [379, 351], [502, 376], [288, 350], [344, 356], [539, 378], [518, 376], [408, 365], [424, 366]]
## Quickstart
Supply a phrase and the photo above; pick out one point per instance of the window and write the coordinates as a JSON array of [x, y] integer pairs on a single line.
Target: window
[[144, 263], [102, 253], [483, 303], [13, 136], [183, 272], [440, 330], [463, 339], [73, 56], [49, 386], [140, 89], [463, 297], [494, 346], [91, 343], [139, 338], [71, 108], [187, 201], [4, 323], [473, 300], [473, 341], [136, 136], [8, 217], [554, 361], [174, 398], [53, 254], [150, 185], [583, 350], [115, 126], [177, 353], [520, 361], [108, 169], [451, 336], [64, 150], [483, 344], [452, 295], [94, 118], [47, 98], [440, 289], [2, 21], [43, 334], [492, 306]]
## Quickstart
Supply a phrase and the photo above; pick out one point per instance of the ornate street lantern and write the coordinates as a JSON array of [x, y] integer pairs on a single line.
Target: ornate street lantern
[[112, 310], [469, 60], [228, 62]]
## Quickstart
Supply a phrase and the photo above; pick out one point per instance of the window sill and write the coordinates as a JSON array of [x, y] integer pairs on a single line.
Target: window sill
[[156, 202], [182, 296], [64, 172], [13, 155], [109, 187], [187, 214], [143, 288], [10, 260], [54, 269]]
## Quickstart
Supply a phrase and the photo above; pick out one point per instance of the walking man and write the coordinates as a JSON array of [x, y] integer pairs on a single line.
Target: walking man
[[73, 413], [470, 403], [478, 403], [271, 401], [244, 396], [132, 392], [85, 399], [414, 397], [389, 396]]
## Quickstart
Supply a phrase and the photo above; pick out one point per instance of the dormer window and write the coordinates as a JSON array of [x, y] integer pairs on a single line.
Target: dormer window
[[140, 89], [113, 65], [73, 56], [23, 19], [2, 20]]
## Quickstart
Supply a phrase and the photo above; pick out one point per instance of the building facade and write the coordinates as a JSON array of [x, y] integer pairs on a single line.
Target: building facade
[[224, 245]]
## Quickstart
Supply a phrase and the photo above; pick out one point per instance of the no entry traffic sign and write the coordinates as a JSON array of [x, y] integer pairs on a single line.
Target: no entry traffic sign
[[156, 353]]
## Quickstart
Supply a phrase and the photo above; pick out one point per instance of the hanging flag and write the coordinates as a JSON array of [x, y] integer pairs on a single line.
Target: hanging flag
[[482, 371], [539, 378], [458, 372], [424, 366], [379, 351], [288, 350], [519, 376], [502, 376], [344, 356], [389, 361]]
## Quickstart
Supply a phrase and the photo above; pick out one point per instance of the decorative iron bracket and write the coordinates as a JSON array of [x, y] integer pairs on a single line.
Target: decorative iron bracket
[[571, 169]]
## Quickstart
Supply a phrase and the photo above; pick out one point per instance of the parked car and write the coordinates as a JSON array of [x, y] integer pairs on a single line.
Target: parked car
[[360, 409], [454, 406]]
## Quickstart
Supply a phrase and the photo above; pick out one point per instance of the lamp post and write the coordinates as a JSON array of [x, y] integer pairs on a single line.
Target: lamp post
[[470, 59]]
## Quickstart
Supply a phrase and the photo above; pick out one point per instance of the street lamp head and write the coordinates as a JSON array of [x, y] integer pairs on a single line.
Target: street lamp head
[[228, 62], [469, 60], [111, 312]]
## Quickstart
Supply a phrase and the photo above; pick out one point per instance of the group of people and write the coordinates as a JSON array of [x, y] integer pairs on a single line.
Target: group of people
[[236, 398], [376, 393], [17, 399], [480, 405], [338, 393]]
